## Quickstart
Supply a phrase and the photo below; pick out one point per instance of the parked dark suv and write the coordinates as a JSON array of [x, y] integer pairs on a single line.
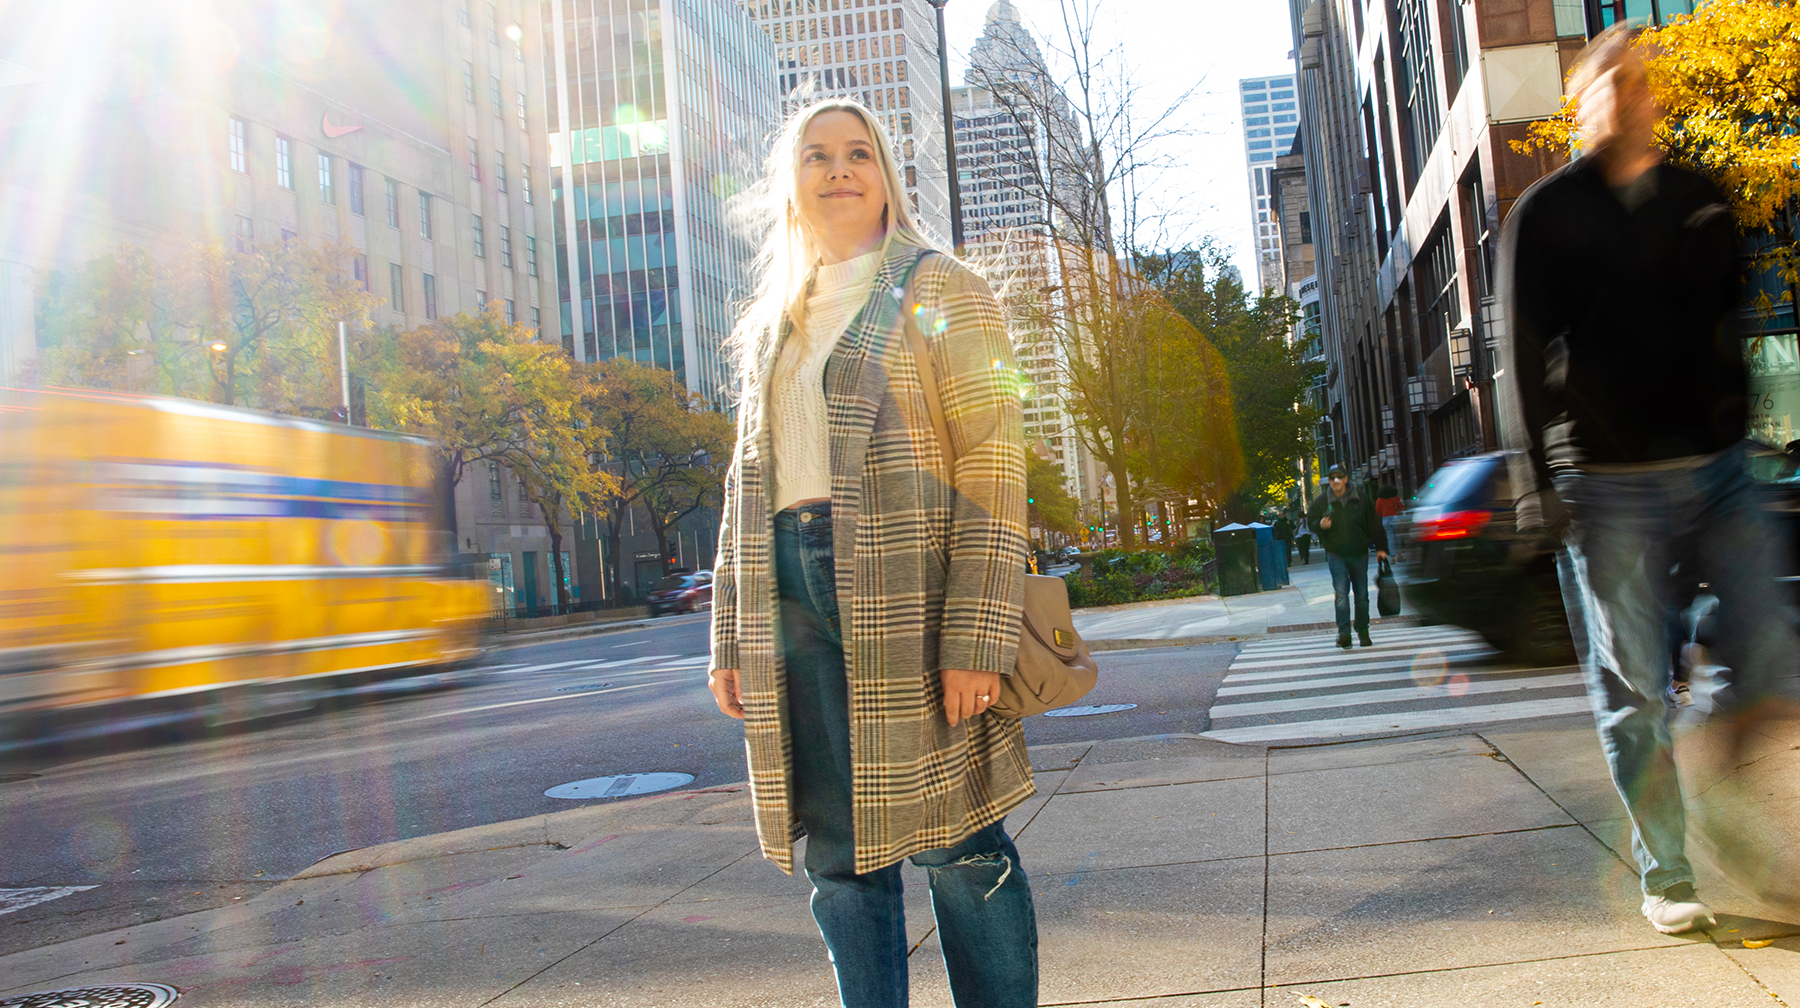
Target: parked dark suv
[[681, 593], [1458, 538]]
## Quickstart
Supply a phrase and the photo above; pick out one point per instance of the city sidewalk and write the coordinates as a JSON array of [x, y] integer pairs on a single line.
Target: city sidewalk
[[1305, 604], [1483, 868]]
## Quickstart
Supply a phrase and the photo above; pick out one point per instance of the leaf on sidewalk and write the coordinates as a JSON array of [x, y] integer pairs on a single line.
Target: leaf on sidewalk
[[1312, 1002], [1758, 943]]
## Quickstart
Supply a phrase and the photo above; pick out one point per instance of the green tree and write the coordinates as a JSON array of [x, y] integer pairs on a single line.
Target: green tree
[[255, 328], [1047, 500]]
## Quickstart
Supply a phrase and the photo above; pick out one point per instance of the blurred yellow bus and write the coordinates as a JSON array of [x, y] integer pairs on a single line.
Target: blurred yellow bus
[[166, 559]]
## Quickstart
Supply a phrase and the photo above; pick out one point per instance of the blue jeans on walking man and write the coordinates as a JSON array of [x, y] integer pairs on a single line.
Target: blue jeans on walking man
[[1350, 576], [1626, 532], [979, 893]]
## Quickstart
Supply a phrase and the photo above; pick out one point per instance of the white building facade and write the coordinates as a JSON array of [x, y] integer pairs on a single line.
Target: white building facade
[[1271, 117]]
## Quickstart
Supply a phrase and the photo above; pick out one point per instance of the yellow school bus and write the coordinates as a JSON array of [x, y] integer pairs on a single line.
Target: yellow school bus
[[165, 558]]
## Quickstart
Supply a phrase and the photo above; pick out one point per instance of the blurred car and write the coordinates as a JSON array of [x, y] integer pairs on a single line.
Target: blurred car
[[1457, 539], [679, 593]]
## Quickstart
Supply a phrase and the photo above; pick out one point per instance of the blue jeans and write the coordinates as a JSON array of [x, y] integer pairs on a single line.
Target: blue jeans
[[1350, 576], [1626, 532], [979, 894]]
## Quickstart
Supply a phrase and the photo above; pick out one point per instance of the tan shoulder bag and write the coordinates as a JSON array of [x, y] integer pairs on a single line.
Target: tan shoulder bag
[[1053, 668]]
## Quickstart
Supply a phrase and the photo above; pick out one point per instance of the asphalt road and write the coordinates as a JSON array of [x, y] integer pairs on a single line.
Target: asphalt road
[[161, 830]]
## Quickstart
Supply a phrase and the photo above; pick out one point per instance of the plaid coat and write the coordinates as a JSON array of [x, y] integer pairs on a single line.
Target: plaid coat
[[930, 571]]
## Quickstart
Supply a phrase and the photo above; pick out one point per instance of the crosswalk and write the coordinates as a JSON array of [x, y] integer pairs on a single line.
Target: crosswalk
[[1412, 679]]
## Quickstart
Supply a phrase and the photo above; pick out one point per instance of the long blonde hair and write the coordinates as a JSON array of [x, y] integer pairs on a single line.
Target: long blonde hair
[[789, 256]]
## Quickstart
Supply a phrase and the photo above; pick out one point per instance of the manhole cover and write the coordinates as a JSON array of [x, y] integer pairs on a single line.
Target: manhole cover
[[620, 785], [130, 995], [1088, 709], [571, 689]]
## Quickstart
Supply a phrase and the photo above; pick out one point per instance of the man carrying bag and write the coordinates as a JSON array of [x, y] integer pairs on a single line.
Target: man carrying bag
[[1347, 525]]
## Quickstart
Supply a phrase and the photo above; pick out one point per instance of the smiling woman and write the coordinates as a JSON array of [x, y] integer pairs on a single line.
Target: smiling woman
[[869, 581]]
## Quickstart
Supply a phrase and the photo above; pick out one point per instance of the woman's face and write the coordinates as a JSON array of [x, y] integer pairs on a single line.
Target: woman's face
[[841, 193]]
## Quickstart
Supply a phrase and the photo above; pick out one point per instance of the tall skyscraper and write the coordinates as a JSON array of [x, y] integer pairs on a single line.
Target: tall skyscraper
[[1010, 117], [660, 110], [882, 53], [1271, 117]]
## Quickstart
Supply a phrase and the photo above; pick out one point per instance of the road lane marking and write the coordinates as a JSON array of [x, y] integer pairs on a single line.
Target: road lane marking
[[1443, 717], [14, 900], [519, 703], [1473, 659], [1351, 658]]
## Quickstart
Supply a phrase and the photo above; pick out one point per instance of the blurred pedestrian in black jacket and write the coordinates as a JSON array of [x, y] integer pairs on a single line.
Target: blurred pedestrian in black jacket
[[1623, 384]]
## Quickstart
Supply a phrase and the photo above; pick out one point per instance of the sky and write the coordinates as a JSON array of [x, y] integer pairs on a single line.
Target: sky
[[1172, 45]]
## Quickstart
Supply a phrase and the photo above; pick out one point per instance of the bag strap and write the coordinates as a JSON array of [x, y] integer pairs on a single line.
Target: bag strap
[[921, 351]]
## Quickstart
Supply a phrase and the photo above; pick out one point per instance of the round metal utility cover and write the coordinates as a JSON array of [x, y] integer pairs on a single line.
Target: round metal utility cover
[[620, 785], [1086, 709], [128, 995]]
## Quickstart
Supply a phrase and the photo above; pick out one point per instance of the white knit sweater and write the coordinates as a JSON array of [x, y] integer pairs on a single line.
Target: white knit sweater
[[797, 388]]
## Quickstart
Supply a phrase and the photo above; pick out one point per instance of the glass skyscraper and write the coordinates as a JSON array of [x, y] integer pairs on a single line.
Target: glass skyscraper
[[1270, 121], [660, 111]]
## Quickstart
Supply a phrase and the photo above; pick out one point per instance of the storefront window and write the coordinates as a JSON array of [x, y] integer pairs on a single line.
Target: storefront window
[[500, 584]]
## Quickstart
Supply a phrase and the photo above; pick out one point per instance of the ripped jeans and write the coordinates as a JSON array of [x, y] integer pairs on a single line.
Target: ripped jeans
[[979, 894]]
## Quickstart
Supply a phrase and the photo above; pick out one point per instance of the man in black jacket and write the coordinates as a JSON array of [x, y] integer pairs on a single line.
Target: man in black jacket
[[1347, 525], [1623, 386]]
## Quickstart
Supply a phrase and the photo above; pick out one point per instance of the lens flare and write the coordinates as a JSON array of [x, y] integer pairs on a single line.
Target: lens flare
[[1430, 669]]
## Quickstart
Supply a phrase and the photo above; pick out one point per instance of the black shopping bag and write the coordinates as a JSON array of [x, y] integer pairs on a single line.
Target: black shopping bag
[[1387, 591]]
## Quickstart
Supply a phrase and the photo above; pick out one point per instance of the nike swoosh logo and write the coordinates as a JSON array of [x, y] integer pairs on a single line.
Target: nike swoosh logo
[[335, 131]]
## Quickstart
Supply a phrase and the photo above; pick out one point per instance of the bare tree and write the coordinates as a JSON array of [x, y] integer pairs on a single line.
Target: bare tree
[[1083, 136]]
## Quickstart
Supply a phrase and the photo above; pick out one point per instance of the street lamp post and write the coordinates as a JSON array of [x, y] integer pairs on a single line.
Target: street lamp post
[[956, 221]]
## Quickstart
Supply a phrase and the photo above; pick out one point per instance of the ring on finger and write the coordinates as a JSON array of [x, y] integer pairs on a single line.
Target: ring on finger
[[984, 698]]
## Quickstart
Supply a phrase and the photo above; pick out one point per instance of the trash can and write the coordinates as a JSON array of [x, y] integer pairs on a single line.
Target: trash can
[[1271, 557], [1234, 548]]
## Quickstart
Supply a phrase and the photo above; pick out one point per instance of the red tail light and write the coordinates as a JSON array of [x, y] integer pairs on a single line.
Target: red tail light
[[1451, 525]]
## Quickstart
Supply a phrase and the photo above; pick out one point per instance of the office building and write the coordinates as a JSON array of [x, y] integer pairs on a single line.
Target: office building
[[884, 54], [1271, 117], [659, 111], [411, 132]]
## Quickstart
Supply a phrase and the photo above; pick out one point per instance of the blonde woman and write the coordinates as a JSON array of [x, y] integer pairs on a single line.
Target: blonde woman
[[869, 581]]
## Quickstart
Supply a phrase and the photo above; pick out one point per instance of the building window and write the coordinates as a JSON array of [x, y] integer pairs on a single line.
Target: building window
[[284, 162], [425, 215], [245, 234], [494, 93], [534, 319], [509, 312], [356, 189], [474, 160], [359, 268], [468, 82], [480, 243], [481, 300], [531, 254], [239, 145], [396, 288], [506, 246], [430, 296], [525, 182], [1305, 228], [493, 25], [393, 203], [1417, 91], [500, 170], [494, 493], [520, 96], [327, 194]]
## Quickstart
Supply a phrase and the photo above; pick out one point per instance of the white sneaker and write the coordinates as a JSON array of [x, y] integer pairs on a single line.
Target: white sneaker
[[1677, 910]]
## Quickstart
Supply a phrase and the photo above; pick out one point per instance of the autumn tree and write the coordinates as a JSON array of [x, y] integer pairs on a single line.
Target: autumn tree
[[666, 451], [255, 328], [1267, 374]]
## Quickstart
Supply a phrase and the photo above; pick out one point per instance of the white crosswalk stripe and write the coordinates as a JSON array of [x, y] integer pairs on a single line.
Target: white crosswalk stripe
[[1413, 679]]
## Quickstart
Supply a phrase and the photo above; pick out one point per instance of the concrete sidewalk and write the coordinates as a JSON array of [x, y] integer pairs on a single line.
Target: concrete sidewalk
[[1467, 869], [1305, 604]]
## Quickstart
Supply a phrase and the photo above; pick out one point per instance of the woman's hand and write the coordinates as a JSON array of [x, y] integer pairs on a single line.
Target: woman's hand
[[966, 693], [724, 685]]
